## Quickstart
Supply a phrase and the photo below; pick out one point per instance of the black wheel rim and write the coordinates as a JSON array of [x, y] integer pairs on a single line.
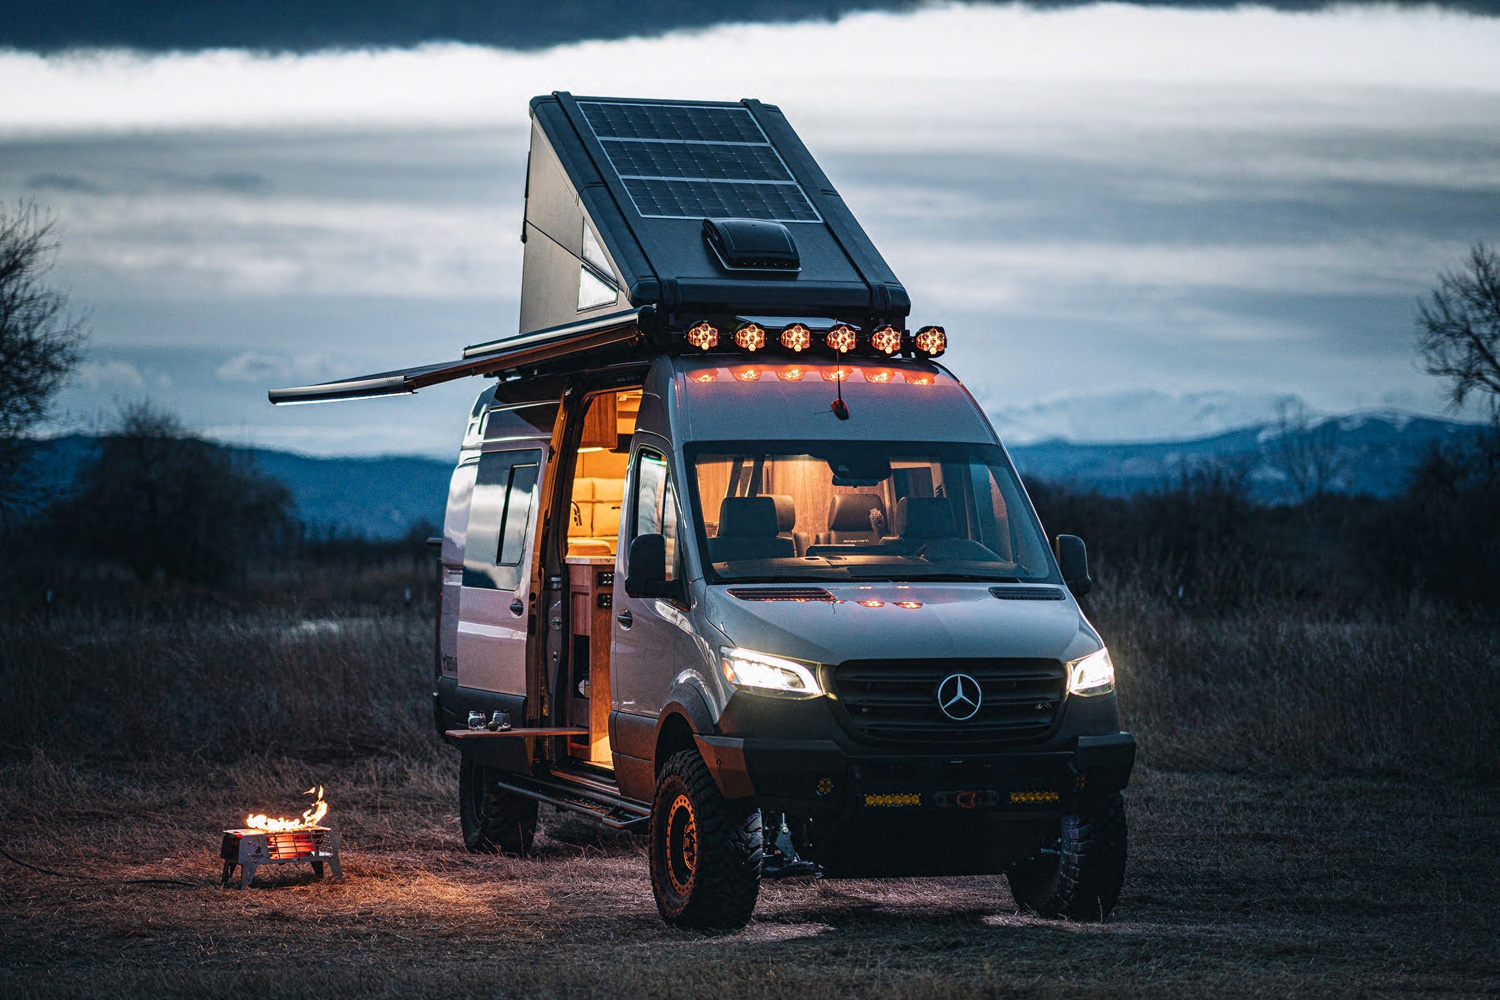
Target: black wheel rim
[[682, 845]]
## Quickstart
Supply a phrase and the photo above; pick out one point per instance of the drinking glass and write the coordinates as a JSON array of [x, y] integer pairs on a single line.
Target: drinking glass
[[476, 720]]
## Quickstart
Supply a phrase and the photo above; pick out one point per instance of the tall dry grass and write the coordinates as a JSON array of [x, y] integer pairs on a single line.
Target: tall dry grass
[[1269, 685], [1280, 685], [218, 681]]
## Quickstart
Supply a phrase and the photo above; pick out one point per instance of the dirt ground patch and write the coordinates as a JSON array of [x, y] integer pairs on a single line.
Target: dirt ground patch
[[1237, 886]]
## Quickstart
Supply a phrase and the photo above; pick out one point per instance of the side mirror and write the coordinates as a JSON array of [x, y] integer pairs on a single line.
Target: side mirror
[[647, 576], [1073, 558]]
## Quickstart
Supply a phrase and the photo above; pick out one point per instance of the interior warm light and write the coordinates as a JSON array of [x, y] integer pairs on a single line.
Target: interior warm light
[[840, 374], [879, 376], [870, 603], [796, 337], [841, 338], [930, 340], [706, 375], [703, 335], [792, 374], [750, 337], [887, 340], [919, 378], [908, 604], [747, 373]]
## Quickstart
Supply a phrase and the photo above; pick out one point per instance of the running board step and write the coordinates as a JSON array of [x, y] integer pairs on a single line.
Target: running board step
[[479, 734], [600, 806]]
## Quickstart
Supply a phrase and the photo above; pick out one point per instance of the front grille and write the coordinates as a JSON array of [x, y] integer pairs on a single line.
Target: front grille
[[895, 701]]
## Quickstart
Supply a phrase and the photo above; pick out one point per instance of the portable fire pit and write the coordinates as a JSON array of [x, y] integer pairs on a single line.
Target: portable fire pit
[[250, 849], [266, 841]]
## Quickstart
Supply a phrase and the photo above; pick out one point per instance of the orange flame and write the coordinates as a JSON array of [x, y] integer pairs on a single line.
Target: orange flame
[[315, 812]]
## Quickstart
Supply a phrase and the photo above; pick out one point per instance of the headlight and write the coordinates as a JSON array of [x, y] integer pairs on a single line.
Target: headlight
[[760, 672], [1094, 674]]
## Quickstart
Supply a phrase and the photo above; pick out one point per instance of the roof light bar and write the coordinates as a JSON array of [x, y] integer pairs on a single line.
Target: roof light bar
[[886, 340], [841, 338], [796, 338], [750, 337], [703, 335], [930, 341]]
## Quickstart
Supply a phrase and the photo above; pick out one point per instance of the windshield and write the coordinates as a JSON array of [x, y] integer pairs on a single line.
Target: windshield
[[842, 510]]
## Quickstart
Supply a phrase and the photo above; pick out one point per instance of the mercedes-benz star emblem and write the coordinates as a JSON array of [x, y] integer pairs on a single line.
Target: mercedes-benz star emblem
[[959, 696]]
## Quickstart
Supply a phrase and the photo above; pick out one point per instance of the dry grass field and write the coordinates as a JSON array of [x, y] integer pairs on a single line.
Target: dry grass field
[[1315, 813]]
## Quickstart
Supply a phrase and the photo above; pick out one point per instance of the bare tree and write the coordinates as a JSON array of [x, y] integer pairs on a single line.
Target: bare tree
[[1307, 450], [40, 341], [1459, 330]]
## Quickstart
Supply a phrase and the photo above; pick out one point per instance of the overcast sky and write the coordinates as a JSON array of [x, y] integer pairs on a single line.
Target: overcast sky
[[1134, 222]]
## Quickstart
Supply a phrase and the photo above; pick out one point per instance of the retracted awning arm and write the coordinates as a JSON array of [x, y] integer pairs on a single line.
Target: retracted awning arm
[[478, 359]]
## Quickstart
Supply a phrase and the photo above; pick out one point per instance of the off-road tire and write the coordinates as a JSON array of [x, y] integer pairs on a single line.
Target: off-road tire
[[1082, 879], [493, 819], [706, 851]]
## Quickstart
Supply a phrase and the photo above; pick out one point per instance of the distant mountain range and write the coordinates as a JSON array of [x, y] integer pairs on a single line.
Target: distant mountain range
[[1362, 453], [383, 497]]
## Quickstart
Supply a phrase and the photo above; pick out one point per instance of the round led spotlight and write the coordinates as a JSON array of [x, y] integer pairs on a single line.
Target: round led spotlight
[[703, 335], [796, 338], [886, 340], [750, 337], [841, 338], [930, 341]]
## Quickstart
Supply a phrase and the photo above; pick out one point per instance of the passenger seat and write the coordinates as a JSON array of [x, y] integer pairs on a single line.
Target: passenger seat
[[786, 521], [748, 530], [849, 520]]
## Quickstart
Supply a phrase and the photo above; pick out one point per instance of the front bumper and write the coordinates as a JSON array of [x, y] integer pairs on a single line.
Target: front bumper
[[821, 777]]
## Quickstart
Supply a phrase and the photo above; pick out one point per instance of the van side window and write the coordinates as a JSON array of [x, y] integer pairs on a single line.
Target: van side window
[[655, 504], [499, 514]]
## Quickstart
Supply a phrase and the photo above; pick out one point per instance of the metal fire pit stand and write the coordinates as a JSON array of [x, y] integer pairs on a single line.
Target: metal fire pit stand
[[252, 848]]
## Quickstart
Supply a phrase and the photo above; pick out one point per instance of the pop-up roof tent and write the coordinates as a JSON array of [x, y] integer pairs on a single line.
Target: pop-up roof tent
[[644, 218]]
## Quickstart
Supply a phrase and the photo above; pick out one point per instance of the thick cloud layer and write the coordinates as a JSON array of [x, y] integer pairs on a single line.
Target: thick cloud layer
[[309, 25], [1098, 203]]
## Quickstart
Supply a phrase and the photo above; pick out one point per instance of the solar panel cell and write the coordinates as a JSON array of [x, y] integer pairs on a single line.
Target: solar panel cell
[[696, 161], [706, 199], [680, 159], [689, 123]]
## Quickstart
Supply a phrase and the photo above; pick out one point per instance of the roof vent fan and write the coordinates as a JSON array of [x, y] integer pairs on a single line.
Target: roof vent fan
[[752, 245]]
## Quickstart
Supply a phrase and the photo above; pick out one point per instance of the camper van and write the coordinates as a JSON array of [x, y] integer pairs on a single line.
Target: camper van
[[731, 560]]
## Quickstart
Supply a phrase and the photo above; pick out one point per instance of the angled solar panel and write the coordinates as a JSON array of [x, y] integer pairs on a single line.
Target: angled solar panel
[[694, 161]]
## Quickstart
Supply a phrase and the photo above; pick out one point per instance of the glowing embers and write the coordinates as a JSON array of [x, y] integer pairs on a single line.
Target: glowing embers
[[886, 340], [796, 337], [930, 341], [750, 337], [841, 339], [791, 373], [840, 374], [703, 335]]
